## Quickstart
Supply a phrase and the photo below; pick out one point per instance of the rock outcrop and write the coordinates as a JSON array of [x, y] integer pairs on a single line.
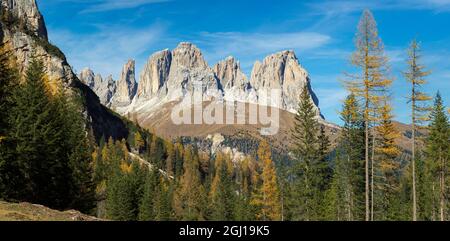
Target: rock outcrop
[[27, 11], [170, 76], [26, 34], [235, 84], [155, 75], [103, 88], [283, 72], [189, 71], [87, 76], [126, 87]]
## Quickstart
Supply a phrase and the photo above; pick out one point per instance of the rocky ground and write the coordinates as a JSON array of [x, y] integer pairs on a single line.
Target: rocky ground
[[34, 212]]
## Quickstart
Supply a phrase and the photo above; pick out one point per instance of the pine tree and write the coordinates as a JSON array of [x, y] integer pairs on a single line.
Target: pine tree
[[267, 196], [438, 146], [415, 75], [369, 57]]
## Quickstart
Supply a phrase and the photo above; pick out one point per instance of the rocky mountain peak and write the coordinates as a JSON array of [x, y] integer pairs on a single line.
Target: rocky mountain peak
[[87, 77], [127, 85], [155, 74], [282, 71], [104, 88], [187, 55], [230, 74], [27, 10]]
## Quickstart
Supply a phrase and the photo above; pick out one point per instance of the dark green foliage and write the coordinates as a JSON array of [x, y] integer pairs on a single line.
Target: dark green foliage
[[437, 164], [148, 203], [311, 168], [347, 189], [8, 82]]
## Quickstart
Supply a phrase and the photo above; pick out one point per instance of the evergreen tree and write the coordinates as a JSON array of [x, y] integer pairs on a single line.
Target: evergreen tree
[[311, 167], [8, 82], [41, 161], [147, 207], [437, 149], [351, 145]]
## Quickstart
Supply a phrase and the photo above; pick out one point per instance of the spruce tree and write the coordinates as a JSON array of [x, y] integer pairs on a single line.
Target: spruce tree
[[310, 168], [351, 145], [8, 82], [147, 207], [41, 162], [437, 149]]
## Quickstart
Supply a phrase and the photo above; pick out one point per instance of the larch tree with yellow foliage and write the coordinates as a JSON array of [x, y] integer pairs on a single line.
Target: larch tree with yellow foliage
[[267, 196], [222, 194], [385, 171], [369, 84], [190, 197], [419, 111]]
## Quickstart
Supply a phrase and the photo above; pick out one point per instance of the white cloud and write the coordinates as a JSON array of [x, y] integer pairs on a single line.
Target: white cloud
[[106, 50], [332, 8], [94, 6], [249, 47]]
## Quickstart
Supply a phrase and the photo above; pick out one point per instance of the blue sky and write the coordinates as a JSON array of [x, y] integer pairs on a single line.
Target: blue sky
[[104, 34]]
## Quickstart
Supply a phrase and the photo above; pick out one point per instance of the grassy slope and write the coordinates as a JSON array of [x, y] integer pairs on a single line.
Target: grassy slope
[[33, 212]]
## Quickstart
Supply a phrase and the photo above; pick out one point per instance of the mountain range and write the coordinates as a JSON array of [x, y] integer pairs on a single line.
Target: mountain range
[[168, 78]]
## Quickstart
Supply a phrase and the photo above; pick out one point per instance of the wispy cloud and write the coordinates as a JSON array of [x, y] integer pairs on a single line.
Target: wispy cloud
[[95, 6], [249, 47], [107, 49], [341, 7]]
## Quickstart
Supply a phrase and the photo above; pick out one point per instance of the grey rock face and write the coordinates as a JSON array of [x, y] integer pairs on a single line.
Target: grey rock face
[[27, 11], [104, 89], [88, 78], [155, 75], [236, 86], [190, 71], [282, 71], [173, 75], [229, 73], [126, 87]]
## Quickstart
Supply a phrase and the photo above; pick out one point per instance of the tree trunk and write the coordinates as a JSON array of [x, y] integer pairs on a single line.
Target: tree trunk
[[371, 177], [442, 186], [413, 157]]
